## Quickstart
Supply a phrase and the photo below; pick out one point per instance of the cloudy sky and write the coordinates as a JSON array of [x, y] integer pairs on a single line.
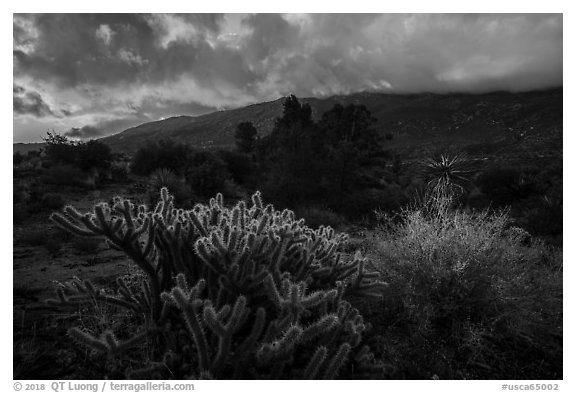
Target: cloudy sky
[[93, 75]]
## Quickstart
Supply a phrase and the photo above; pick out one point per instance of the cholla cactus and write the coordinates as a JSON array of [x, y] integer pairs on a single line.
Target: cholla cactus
[[254, 286]]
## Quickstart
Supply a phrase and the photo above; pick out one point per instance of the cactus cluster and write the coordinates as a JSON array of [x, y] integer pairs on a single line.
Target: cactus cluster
[[256, 292]]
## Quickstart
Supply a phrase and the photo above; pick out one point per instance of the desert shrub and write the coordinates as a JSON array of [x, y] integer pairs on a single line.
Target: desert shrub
[[27, 169], [85, 155], [207, 174], [475, 283], [240, 166], [505, 186], [34, 154], [60, 150], [233, 190], [315, 216], [235, 292], [163, 154], [66, 175], [542, 216], [93, 154], [119, 170], [17, 158]]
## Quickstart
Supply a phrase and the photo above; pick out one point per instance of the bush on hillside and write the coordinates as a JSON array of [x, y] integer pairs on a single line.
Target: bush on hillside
[[316, 216], [207, 174], [240, 166], [93, 155], [60, 150], [162, 154]]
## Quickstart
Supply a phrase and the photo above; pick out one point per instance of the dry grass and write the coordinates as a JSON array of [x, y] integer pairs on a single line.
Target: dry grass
[[482, 294]]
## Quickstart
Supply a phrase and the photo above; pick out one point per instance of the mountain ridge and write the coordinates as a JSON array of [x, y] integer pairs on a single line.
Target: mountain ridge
[[409, 120]]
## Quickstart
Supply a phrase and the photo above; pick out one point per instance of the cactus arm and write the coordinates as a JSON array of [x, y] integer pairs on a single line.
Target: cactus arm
[[250, 342], [337, 361], [322, 326], [63, 222], [87, 339], [189, 306], [315, 363]]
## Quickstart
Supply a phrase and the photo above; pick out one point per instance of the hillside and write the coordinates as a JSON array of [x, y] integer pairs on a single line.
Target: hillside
[[526, 120]]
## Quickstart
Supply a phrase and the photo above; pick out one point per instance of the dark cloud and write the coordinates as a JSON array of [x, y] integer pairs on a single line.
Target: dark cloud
[[148, 110], [30, 103], [70, 49], [85, 132], [18, 89], [105, 127], [107, 70]]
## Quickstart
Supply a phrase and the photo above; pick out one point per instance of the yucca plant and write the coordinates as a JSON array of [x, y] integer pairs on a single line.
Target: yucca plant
[[446, 172], [165, 177]]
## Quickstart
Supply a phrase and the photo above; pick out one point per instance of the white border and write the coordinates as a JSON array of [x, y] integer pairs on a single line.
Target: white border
[[115, 6]]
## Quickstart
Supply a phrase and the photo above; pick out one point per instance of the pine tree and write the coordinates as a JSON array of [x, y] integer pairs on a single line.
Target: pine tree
[[246, 136]]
